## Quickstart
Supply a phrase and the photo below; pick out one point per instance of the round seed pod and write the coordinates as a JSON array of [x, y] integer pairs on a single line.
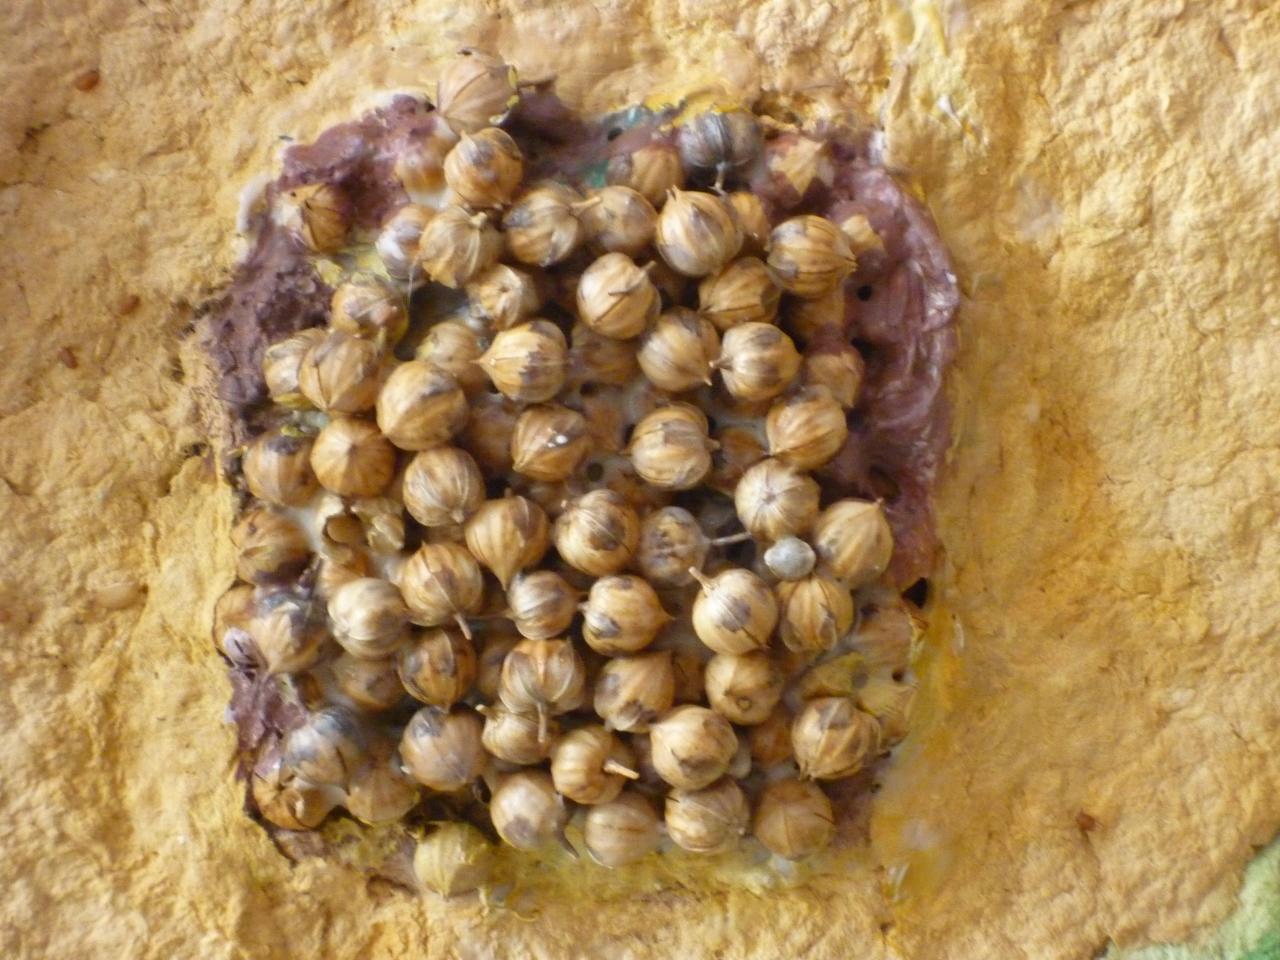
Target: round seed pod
[[632, 692], [397, 243], [371, 685], [496, 646], [590, 765], [820, 319], [622, 831], [597, 359], [287, 632], [420, 406], [774, 500], [743, 292], [795, 163], [615, 298], [286, 800], [508, 535], [597, 533], [790, 559], [368, 617], [794, 819], [441, 583], [318, 214], [619, 220], [484, 168], [542, 227], [379, 791], [807, 428], [809, 256], [419, 165], [517, 737], [671, 542], [720, 140], [487, 434], [754, 220], [341, 373], [816, 612], [277, 468], [502, 296], [352, 459], [475, 90], [541, 604], [455, 858], [743, 689], [326, 748], [740, 448], [441, 749], [622, 615], [528, 362], [269, 546], [653, 170], [442, 486], [365, 305], [697, 233], [735, 611], [890, 703], [678, 352], [454, 348], [545, 677], [282, 364], [770, 740], [526, 810], [833, 739], [549, 443], [692, 747], [457, 246], [437, 667], [709, 820], [670, 448], [853, 541], [757, 361], [837, 367]]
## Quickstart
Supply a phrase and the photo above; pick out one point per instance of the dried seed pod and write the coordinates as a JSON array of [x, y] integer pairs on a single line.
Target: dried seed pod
[[775, 500], [795, 163], [232, 615], [368, 617], [542, 227], [671, 542], [743, 292], [819, 319], [282, 363], [484, 168], [419, 163], [286, 800], [839, 368], [288, 633], [326, 748], [720, 140], [771, 739], [437, 666], [457, 246], [740, 448], [269, 546], [455, 858], [549, 442], [319, 214], [420, 406], [528, 362], [816, 612], [794, 819], [697, 233], [441, 749], [371, 685], [622, 615], [670, 448], [709, 820], [442, 486], [889, 702], [837, 676], [790, 559], [597, 533], [502, 296], [632, 692], [397, 243], [341, 374], [492, 654], [678, 351], [441, 583], [332, 572], [806, 428], [809, 256], [743, 689], [526, 810], [615, 298], [590, 765], [735, 611], [757, 361], [619, 220], [652, 170], [861, 234], [277, 468], [487, 435], [378, 791], [455, 349], [754, 220], [692, 746], [621, 831], [886, 636], [541, 604], [545, 677], [508, 535], [517, 737], [833, 739], [597, 359], [352, 459], [475, 90], [853, 540], [364, 305]]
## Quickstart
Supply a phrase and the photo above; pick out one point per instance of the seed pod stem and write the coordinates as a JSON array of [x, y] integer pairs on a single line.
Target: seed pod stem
[[612, 766]]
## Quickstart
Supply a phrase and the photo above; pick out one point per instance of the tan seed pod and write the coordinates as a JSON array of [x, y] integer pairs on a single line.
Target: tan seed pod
[[528, 362], [541, 604], [484, 168], [743, 689], [454, 348], [708, 820], [775, 500], [442, 486], [379, 792], [397, 243], [740, 448], [269, 546], [816, 612], [419, 163], [720, 140], [457, 246], [286, 800], [743, 292], [327, 747], [455, 858], [757, 361], [889, 702], [508, 535], [735, 611], [839, 368], [692, 747], [597, 533], [526, 810], [886, 635], [790, 559], [543, 227], [441, 583], [341, 374], [287, 632], [549, 443], [352, 459], [619, 220], [277, 468], [809, 256], [853, 540], [590, 765], [496, 646], [697, 233], [442, 749], [332, 572], [677, 353], [368, 617], [615, 298], [370, 685], [365, 305], [487, 434], [231, 617], [282, 364], [597, 359], [544, 677], [503, 296], [795, 163], [517, 737], [671, 542], [622, 614], [420, 406], [475, 90], [670, 448], [632, 692], [794, 819], [754, 220], [319, 214], [820, 319], [770, 740], [806, 428], [861, 234], [437, 666], [833, 739], [622, 831], [652, 170]]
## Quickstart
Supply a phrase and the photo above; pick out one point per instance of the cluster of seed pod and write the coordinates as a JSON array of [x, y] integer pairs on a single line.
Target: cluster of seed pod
[[578, 524]]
